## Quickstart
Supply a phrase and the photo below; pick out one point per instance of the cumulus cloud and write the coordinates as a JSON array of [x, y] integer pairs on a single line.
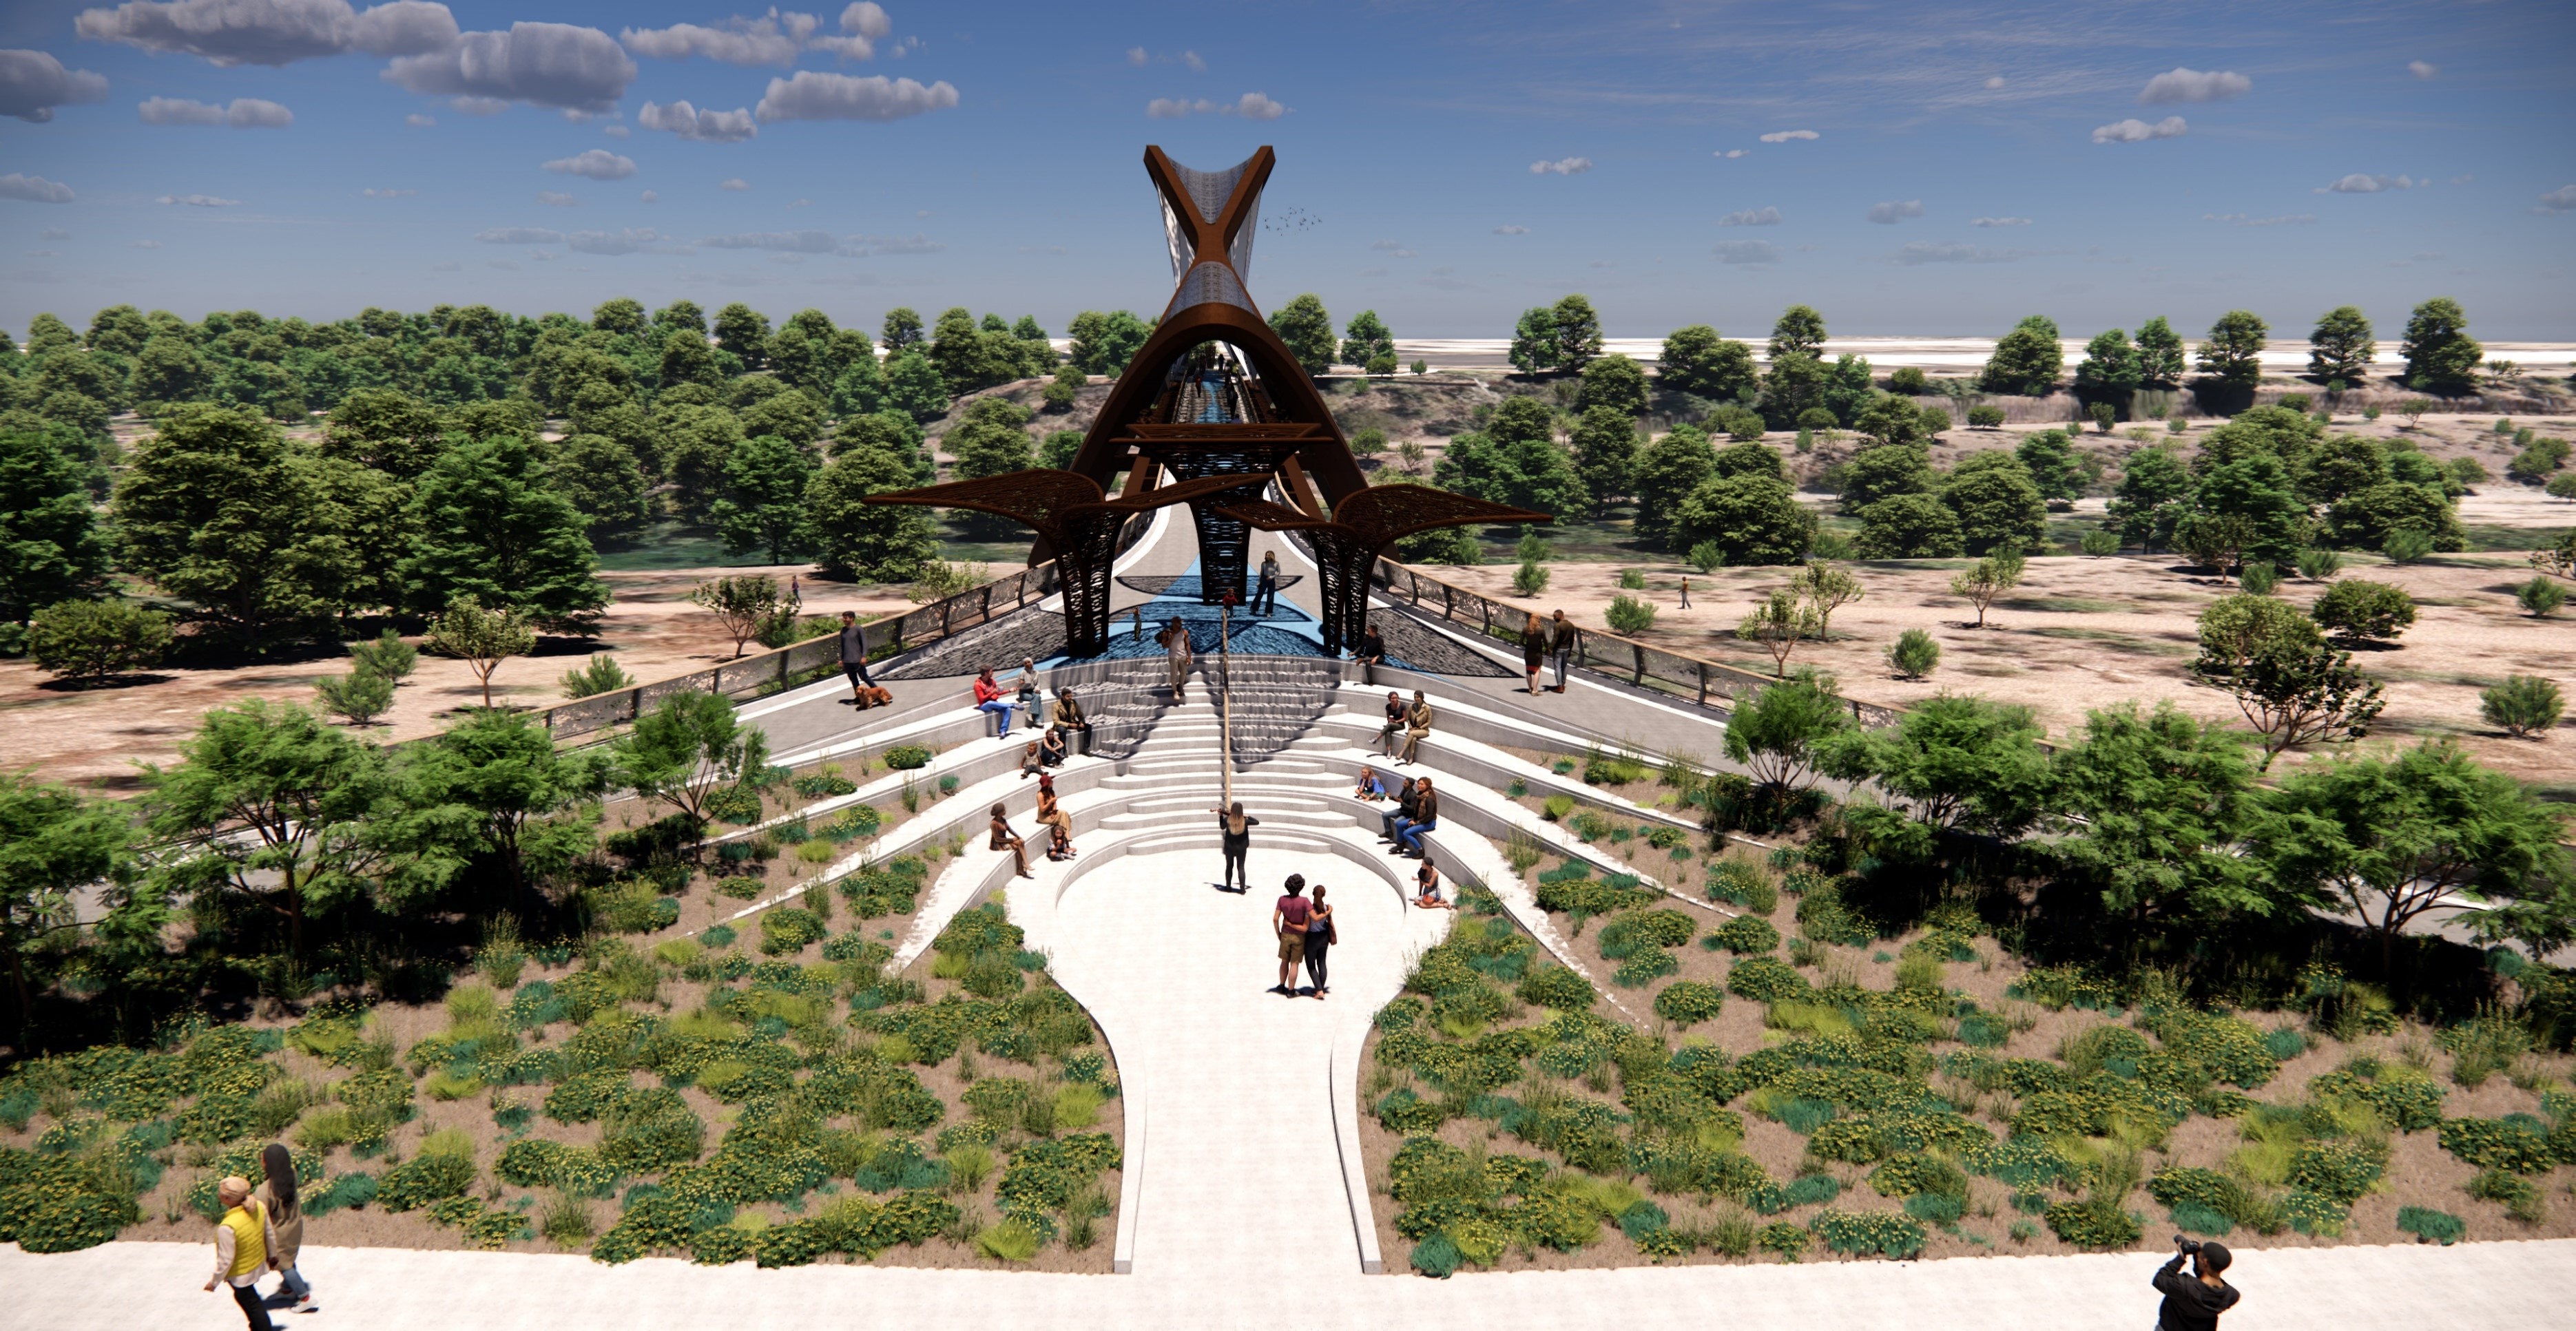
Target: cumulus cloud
[[479, 106], [2139, 131], [2357, 183], [198, 201], [557, 199], [594, 163], [735, 183], [632, 240], [2559, 200], [617, 132], [1511, 230], [1563, 166], [2422, 69], [815, 96], [784, 242], [34, 189], [33, 83], [1995, 82], [1136, 56], [1894, 211], [740, 41], [273, 32], [542, 64], [1747, 251], [1751, 217], [418, 121], [519, 235], [1928, 251], [1791, 135], [387, 193], [243, 113], [2248, 219], [1191, 59], [650, 197], [1250, 106], [708, 126], [1730, 154], [2001, 221], [2191, 85]]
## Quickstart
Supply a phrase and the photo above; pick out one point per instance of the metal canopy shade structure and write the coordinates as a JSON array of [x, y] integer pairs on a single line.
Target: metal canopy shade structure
[[1363, 525], [1213, 390], [1073, 515]]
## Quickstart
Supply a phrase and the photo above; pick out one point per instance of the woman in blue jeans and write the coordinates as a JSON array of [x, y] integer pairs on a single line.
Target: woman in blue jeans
[[1426, 818]]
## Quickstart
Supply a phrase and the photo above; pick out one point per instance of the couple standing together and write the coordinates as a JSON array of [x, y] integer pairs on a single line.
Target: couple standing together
[[1306, 935]]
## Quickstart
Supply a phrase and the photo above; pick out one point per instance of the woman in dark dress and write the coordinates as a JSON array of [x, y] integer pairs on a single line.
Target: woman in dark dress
[[1320, 938], [1236, 829]]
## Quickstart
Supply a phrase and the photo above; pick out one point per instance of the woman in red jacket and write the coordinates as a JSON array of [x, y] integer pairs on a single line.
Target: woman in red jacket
[[990, 698]]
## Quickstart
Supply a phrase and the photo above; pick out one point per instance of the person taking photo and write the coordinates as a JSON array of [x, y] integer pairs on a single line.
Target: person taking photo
[[2194, 1301]]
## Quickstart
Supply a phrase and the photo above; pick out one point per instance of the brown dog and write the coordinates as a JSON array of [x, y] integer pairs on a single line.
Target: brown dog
[[874, 698]]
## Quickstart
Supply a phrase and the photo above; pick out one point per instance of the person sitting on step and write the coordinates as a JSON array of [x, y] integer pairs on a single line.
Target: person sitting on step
[[1067, 716], [989, 698], [1051, 748], [1006, 839], [1372, 787], [1426, 888], [1030, 695], [1417, 723], [1394, 727], [1407, 800], [1426, 819], [1371, 653], [1032, 763], [1051, 816]]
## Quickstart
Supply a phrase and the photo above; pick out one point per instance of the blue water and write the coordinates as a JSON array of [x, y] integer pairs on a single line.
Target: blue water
[[1287, 631]]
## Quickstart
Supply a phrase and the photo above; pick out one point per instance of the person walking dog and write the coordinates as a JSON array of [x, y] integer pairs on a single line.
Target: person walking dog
[[854, 656], [241, 1250]]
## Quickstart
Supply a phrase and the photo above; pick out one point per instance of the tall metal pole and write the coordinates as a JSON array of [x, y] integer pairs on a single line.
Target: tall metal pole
[[1225, 694]]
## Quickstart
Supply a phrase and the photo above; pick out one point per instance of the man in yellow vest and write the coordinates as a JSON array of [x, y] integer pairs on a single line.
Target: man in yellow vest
[[241, 1250]]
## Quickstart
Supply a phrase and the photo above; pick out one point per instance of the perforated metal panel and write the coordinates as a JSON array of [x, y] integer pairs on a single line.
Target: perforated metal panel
[[1210, 283], [1210, 189]]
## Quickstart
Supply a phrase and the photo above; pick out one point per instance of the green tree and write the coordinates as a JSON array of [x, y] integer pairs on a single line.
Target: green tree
[[1304, 325], [2027, 360], [1753, 518], [1800, 331], [1104, 343], [169, 369], [1366, 338], [857, 539], [2160, 359], [2155, 493], [1991, 577], [685, 748], [1697, 361], [1065, 389], [913, 386], [2233, 352], [2292, 687], [1884, 472], [2440, 355], [493, 788], [991, 438], [2049, 457], [860, 387], [970, 356], [2256, 491], [678, 316], [1778, 623], [1794, 385], [395, 433], [1578, 333], [51, 545], [480, 637], [1888, 420], [2157, 803], [493, 528], [1665, 474], [902, 328], [604, 483], [1533, 349], [1063, 446], [1826, 587], [2366, 519], [1998, 505], [91, 640], [742, 602], [2109, 371], [1850, 393], [1909, 526], [1614, 382], [764, 504], [2358, 610], [2343, 465], [744, 331], [2526, 706], [2341, 346], [687, 359], [1515, 460], [1605, 454], [272, 808], [54, 846], [694, 440], [1776, 734], [621, 316], [1955, 763], [219, 511], [1750, 459], [2388, 838]]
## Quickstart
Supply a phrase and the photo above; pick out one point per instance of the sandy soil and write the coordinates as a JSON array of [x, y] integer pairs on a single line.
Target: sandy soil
[[95, 737]]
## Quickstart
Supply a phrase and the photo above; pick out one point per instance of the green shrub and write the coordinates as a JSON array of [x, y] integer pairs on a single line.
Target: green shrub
[[427, 1178], [906, 757], [2095, 1226], [742, 889], [1745, 934], [1866, 1233], [2519, 1143], [1765, 980], [786, 930], [2541, 596], [1630, 614], [2520, 1196], [1644, 969], [2364, 611], [738, 804], [1436, 1256], [95, 639], [1914, 654], [2431, 1226], [1558, 987], [1689, 1002], [2340, 1170], [2525, 706]]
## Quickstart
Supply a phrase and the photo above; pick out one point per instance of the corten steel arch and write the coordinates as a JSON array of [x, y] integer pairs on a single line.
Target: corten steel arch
[[1071, 514], [1363, 525], [1289, 432]]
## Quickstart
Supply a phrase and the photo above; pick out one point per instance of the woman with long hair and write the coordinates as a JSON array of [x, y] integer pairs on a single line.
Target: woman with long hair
[[1234, 828], [1006, 839], [1051, 816], [1320, 938], [1417, 723], [1533, 650], [276, 1195]]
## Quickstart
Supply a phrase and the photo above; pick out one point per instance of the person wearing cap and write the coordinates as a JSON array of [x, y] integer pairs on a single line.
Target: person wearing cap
[[241, 1250], [2193, 1302]]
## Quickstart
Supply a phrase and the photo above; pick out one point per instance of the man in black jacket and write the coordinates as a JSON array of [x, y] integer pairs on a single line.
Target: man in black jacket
[[2193, 1302], [854, 654]]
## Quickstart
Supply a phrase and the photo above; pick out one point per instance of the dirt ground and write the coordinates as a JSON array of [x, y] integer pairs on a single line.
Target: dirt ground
[[96, 737]]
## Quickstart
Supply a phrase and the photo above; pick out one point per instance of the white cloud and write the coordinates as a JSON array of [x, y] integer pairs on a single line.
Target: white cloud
[[1747, 251], [2191, 85], [1136, 56], [519, 235], [1926, 251], [557, 199], [1191, 59], [147, 244], [785, 242], [1995, 82], [800, 203], [2248, 219], [33, 83], [1250, 106], [708, 126], [815, 96], [198, 201], [1791, 135], [1563, 166], [1511, 230], [2559, 200], [632, 240], [1894, 211], [735, 183], [617, 131], [479, 106], [1751, 217], [387, 193], [34, 189], [2139, 131], [1730, 153], [418, 121], [272, 32], [595, 163], [244, 113], [2001, 221], [2357, 183], [741, 41], [543, 64], [863, 25], [651, 197], [912, 244], [2422, 69]]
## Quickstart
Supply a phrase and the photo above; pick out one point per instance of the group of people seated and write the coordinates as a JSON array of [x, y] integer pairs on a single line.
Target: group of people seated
[[1051, 816], [1416, 811], [1065, 723]]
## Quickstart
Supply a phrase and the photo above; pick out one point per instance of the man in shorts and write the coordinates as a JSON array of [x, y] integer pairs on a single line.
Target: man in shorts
[[1288, 920]]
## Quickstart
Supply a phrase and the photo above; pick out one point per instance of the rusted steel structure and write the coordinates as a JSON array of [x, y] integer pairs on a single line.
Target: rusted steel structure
[[1363, 525]]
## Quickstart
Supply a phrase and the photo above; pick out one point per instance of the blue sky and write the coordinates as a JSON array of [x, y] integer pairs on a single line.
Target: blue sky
[[1905, 169]]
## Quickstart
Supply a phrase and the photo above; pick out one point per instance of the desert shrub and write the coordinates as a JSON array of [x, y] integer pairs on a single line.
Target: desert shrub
[[427, 1177], [2519, 1196], [2524, 705], [1636, 931], [2431, 1226], [1558, 987], [789, 929], [1737, 882], [1630, 614], [2406, 1099], [2519, 1143], [1765, 980], [2339, 1170], [1868, 1233], [1745, 934], [1644, 969], [906, 757], [824, 785], [1689, 1002], [737, 804], [2360, 610], [1914, 654], [2095, 1226]]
